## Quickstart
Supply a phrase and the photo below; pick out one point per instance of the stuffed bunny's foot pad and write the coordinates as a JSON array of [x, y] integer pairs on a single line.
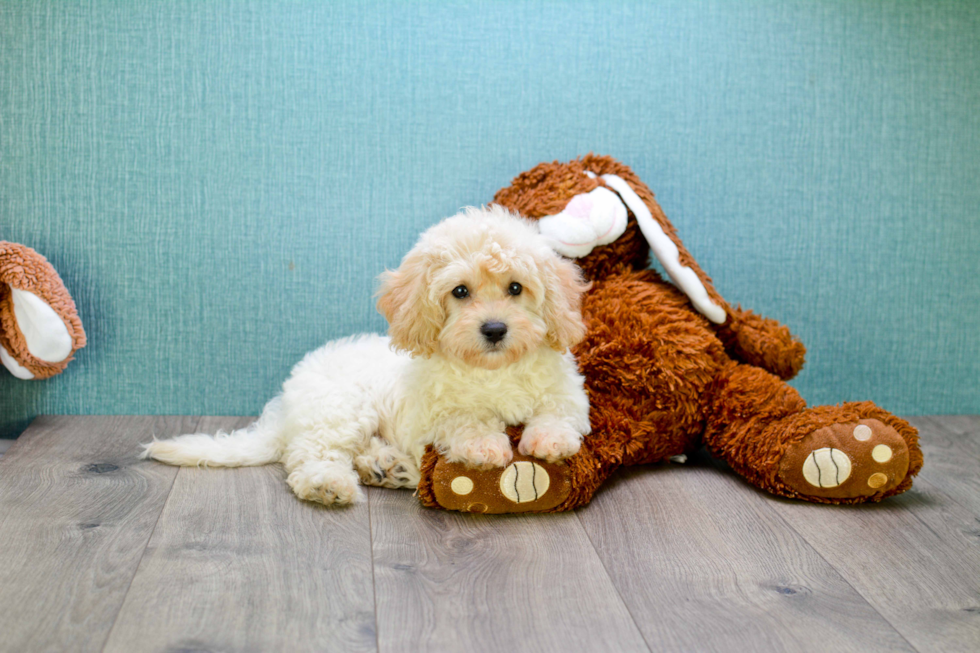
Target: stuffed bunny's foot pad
[[527, 484], [846, 461]]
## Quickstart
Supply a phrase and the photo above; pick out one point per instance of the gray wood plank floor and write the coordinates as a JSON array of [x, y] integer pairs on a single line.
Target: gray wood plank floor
[[101, 551]]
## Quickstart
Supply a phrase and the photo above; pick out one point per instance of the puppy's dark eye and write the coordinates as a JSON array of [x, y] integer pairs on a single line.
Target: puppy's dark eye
[[515, 288], [461, 292]]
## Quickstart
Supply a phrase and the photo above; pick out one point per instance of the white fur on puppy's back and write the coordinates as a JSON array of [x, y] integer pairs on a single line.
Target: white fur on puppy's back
[[333, 401], [259, 443]]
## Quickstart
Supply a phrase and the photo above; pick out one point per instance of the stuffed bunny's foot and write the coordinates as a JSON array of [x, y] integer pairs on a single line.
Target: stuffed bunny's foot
[[846, 461], [527, 484]]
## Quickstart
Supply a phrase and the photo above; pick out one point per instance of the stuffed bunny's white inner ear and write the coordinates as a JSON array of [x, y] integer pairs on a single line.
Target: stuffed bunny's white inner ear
[[15, 368], [45, 333], [666, 252], [587, 221]]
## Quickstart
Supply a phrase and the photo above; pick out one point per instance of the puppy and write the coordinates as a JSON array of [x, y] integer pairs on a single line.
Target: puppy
[[481, 313]]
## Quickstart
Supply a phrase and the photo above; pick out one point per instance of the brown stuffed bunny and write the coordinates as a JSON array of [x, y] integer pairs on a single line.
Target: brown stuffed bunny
[[39, 327], [670, 367]]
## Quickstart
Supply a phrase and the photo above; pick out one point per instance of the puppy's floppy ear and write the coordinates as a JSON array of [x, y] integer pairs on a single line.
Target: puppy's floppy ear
[[563, 288], [414, 318]]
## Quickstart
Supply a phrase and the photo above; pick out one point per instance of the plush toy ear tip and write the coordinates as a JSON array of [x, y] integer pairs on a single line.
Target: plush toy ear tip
[[13, 366], [45, 333]]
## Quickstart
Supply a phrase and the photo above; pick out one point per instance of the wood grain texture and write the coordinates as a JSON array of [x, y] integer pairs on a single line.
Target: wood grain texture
[[76, 511], [102, 550], [238, 563], [914, 557], [951, 446], [448, 581], [705, 564]]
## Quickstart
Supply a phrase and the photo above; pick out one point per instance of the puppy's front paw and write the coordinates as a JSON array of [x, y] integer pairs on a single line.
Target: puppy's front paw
[[552, 441], [325, 482], [482, 451]]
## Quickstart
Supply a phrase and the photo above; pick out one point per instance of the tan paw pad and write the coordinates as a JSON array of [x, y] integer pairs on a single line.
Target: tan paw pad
[[462, 485], [524, 481], [862, 433], [827, 467], [882, 453], [877, 479]]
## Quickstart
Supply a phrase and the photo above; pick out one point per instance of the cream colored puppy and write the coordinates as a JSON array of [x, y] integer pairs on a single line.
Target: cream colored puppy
[[481, 313]]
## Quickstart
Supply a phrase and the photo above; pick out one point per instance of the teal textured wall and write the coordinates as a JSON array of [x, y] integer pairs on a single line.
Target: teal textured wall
[[219, 182]]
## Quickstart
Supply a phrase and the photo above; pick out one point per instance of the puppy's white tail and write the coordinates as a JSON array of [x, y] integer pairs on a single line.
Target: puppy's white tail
[[257, 444]]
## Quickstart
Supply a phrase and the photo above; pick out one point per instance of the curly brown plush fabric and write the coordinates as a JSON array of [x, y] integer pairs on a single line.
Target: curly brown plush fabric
[[663, 380], [24, 269]]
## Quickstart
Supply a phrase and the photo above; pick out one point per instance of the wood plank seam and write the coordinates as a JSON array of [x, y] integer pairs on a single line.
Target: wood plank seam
[[703, 545], [840, 574], [239, 563], [612, 581], [921, 581], [934, 488], [886, 591], [952, 499], [74, 488], [374, 584], [149, 539], [452, 581], [857, 591], [936, 422]]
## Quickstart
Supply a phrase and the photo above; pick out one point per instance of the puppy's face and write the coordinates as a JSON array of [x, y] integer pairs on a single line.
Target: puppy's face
[[485, 288], [491, 316]]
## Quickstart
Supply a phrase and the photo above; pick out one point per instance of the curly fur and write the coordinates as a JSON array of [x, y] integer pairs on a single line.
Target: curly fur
[[364, 409], [663, 380]]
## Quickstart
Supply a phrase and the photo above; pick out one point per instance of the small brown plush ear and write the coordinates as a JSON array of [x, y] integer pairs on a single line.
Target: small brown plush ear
[[414, 318], [562, 302]]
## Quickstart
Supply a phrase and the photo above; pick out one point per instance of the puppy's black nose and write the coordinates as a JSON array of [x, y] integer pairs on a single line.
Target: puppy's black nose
[[494, 331]]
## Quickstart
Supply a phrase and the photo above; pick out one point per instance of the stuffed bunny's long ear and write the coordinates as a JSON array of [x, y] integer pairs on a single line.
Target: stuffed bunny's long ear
[[667, 252]]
